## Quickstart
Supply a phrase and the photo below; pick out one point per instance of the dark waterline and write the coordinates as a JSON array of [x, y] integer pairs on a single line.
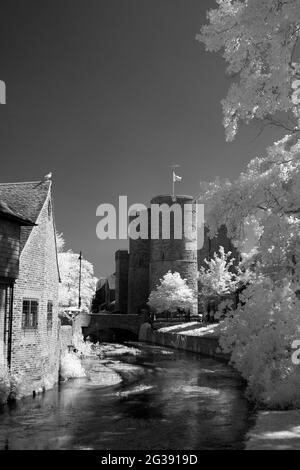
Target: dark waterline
[[167, 400]]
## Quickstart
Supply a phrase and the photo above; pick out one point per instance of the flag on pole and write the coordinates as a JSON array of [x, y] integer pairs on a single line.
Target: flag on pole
[[176, 177]]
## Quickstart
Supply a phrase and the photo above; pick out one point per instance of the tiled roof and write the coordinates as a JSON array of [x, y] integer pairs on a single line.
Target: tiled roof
[[26, 200], [7, 213]]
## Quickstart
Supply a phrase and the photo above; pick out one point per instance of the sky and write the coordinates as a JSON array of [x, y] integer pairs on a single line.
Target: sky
[[107, 94]]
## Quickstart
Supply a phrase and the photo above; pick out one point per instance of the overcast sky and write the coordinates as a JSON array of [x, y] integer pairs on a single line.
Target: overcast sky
[[106, 94]]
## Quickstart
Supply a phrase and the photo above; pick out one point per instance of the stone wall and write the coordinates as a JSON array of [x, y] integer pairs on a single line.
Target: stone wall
[[65, 337], [207, 345]]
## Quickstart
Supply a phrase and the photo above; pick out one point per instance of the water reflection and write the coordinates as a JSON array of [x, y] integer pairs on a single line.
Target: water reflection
[[166, 400]]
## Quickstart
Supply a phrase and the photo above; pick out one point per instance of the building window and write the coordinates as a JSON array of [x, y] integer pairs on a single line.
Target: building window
[[49, 209], [30, 314], [49, 314]]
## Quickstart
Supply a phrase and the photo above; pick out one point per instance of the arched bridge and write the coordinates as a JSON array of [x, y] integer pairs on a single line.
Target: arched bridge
[[113, 326]]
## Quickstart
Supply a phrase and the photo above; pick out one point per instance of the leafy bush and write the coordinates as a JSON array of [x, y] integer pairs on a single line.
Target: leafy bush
[[83, 347], [259, 336], [70, 366], [10, 385], [4, 384]]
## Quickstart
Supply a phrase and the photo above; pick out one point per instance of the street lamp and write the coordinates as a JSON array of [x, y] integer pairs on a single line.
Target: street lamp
[[79, 286]]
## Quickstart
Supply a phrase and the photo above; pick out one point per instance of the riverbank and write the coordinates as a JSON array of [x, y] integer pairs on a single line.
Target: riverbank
[[193, 337], [100, 364], [273, 430]]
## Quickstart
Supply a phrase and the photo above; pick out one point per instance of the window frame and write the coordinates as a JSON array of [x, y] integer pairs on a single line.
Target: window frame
[[32, 324], [49, 320], [49, 209]]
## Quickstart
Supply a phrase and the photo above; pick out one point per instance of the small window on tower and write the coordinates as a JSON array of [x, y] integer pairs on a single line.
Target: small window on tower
[[49, 314], [49, 209]]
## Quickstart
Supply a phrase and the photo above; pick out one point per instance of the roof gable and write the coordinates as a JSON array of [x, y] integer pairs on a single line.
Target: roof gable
[[26, 200]]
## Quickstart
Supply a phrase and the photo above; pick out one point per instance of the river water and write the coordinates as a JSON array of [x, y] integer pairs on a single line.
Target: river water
[[166, 400]]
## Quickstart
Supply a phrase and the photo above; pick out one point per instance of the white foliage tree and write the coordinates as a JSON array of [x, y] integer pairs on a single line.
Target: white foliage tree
[[69, 286], [217, 278], [259, 335], [266, 195], [172, 293], [259, 42], [60, 242]]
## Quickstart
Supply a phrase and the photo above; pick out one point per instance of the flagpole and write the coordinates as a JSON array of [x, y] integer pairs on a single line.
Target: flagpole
[[173, 185], [174, 179], [79, 281]]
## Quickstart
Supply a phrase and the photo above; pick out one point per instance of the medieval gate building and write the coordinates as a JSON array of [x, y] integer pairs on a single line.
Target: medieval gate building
[[148, 260]]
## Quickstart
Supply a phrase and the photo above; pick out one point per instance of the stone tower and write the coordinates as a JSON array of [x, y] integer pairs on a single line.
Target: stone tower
[[122, 261], [138, 274], [175, 254]]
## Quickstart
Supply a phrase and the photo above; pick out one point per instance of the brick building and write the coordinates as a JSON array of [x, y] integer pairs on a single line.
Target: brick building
[[105, 294], [10, 233], [35, 325]]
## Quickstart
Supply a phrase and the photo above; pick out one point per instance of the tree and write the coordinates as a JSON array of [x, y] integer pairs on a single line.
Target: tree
[[171, 294], [260, 335], [220, 284], [266, 196], [69, 286], [258, 40], [260, 332], [60, 242], [217, 277]]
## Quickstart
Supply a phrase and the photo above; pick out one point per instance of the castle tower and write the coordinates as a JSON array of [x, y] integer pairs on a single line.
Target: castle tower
[[175, 254], [121, 258], [138, 274]]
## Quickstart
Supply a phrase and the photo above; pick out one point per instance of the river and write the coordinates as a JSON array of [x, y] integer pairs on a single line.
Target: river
[[166, 400]]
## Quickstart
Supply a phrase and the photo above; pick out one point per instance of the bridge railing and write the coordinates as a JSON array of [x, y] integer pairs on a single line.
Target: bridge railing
[[175, 317]]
